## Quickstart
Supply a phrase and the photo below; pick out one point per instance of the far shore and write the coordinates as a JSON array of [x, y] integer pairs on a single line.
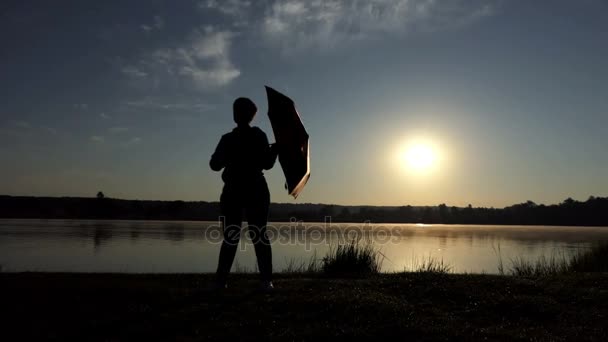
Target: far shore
[[570, 212]]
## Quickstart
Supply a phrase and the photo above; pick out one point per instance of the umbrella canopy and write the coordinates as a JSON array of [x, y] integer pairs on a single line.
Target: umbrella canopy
[[292, 141]]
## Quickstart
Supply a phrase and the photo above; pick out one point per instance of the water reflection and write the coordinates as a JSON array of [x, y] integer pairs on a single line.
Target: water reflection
[[157, 246], [174, 232], [101, 232], [134, 232]]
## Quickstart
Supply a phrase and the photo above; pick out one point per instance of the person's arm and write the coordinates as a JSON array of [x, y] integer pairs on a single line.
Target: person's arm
[[270, 154], [218, 159], [273, 152]]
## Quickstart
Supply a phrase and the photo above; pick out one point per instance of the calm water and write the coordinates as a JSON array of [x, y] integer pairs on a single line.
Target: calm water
[[155, 246]]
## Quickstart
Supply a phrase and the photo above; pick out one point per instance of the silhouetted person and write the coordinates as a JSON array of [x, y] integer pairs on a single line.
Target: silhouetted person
[[244, 153]]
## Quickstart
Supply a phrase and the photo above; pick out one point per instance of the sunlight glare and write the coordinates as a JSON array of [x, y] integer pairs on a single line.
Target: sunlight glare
[[419, 157]]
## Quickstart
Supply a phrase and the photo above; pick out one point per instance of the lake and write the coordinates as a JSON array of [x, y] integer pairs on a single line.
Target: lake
[[185, 247]]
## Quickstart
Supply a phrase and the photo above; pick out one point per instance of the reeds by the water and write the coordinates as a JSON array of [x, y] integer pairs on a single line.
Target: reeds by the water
[[592, 260], [310, 266], [543, 266], [362, 258], [354, 258], [429, 264]]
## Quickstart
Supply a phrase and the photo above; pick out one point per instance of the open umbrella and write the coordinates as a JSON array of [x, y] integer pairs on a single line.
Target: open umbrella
[[292, 140]]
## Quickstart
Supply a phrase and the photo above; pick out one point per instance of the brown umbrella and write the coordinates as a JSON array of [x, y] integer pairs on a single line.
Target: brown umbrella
[[292, 140]]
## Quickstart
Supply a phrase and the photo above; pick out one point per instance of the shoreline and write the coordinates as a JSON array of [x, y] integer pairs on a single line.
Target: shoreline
[[416, 224], [423, 306]]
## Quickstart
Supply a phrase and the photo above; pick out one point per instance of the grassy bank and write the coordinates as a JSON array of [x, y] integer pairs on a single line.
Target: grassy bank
[[424, 306], [341, 295]]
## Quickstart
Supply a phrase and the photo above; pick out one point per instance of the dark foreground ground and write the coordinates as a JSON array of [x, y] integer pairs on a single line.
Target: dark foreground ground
[[406, 306]]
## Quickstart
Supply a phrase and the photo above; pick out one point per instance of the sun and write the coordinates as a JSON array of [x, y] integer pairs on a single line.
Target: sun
[[419, 157]]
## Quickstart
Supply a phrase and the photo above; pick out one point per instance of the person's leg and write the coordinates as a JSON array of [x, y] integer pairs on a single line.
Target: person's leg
[[232, 211], [257, 219]]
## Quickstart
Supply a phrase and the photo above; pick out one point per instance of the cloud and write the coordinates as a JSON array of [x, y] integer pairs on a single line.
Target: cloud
[[97, 139], [150, 103], [133, 71], [21, 124], [104, 116], [50, 130], [116, 130], [228, 7], [16, 129], [81, 106], [333, 21], [132, 141], [159, 22], [23, 129], [326, 23], [203, 61]]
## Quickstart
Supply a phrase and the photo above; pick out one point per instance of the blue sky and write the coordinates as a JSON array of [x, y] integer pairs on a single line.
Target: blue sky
[[131, 97]]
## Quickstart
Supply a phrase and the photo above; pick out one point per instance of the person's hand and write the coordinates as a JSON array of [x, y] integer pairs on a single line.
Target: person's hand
[[274, 148]]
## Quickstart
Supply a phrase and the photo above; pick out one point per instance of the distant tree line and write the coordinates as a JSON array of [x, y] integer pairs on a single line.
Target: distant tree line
[[592, 212]]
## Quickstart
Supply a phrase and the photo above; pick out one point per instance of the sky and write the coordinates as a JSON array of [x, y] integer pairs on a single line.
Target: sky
[[131, 97]]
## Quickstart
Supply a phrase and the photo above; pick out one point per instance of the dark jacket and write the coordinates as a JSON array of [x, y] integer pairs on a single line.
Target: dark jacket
[[243, 154]]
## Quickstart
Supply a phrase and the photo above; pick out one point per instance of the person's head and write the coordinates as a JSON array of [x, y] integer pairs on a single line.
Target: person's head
[[244, 110]]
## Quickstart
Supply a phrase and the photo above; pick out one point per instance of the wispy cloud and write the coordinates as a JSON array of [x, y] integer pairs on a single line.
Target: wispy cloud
[[158, 24], [16, 129], [80, 106], [204, 61], [132, 141], [50, 130], [133, 71], [118, 129], [332, 21], [104, 116], [302, 23], [115, 141], [228, 7], [150, 103], [23, 129], [21, 124], [97, 139]]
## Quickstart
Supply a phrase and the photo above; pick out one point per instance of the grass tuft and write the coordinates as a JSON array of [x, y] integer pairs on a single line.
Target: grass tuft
[[498, 252], [542, 267], [241, 269], [430, 264], [312, 266], [355, 258]]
